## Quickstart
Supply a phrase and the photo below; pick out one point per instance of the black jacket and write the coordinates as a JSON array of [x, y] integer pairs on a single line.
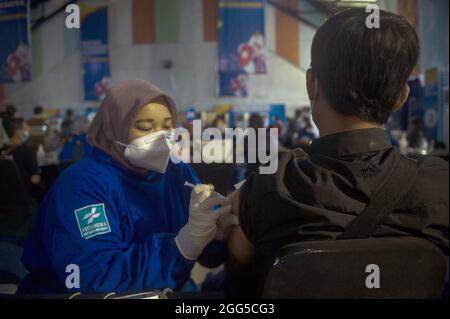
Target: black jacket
[[316, 198]]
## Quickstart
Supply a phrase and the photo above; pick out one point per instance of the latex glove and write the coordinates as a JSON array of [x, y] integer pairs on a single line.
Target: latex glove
[[201, 227], [227, 220]]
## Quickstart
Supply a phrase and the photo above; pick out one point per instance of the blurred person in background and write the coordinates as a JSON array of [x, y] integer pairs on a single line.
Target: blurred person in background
[[24, 155], [301, 130], [38, 125], [4, 139], [299, 119], [416, 134], [293, 127], [73, 139], [219, 123], [69, 115], [8, 115], [290, 131], [54, 140], [256, 122], [306, 135], [278, 124]]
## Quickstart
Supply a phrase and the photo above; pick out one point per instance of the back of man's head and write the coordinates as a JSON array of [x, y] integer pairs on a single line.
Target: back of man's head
[[362, 71]]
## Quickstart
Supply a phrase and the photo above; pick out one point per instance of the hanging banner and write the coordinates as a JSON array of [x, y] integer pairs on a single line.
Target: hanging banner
[[242, 49], [233, 84], [15, 55], [95, 52]]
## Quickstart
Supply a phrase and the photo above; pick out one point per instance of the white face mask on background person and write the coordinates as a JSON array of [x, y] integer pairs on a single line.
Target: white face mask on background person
[[151, 151]]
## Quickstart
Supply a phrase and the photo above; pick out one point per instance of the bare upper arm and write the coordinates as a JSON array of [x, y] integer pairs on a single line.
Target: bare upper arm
[[240, 249]]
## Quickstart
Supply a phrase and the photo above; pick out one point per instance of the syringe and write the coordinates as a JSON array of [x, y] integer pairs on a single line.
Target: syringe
[[189, 184]]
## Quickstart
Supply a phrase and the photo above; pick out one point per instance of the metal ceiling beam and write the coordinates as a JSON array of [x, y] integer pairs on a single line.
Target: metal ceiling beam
[[291, 12], [35, 3], [37, 23], [332, 5]]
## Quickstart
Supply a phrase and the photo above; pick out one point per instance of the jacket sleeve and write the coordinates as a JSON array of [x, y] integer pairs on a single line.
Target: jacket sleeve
[[106, 262]]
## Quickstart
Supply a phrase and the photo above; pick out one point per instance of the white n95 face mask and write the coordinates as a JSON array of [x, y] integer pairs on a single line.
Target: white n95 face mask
[[151, 151]]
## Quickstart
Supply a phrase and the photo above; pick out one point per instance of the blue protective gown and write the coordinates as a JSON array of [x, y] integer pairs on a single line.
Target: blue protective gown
[[118, 227]]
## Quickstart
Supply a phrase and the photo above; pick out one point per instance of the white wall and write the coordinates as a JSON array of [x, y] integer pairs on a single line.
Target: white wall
[[192, 80]]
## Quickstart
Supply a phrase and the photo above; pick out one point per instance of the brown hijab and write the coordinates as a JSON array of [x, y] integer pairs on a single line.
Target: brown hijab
[[117, 115]]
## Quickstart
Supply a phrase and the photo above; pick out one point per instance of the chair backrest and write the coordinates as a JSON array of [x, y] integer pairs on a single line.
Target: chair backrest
[[399, 268], [13, 192]]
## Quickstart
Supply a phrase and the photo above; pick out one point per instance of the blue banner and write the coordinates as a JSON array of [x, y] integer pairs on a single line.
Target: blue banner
[[95, 52], [233, 84], [15, 55], [242, 48]]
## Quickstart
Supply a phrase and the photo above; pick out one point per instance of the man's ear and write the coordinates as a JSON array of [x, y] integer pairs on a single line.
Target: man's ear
[[402, 98], [310, 79]]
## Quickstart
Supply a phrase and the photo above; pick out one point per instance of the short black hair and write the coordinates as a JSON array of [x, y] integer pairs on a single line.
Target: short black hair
[[38, 110], [362, 71]]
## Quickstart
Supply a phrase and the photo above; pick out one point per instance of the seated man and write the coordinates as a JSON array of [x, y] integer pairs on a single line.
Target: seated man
[[358, 77]]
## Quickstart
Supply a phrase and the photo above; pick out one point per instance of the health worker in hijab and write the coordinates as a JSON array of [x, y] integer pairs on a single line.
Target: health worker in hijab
[[122, 219]]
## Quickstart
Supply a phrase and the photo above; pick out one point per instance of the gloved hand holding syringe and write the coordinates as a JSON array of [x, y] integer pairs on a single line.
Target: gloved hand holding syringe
[[225, 220], [200, 188], [203, 190], [208, 213]]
